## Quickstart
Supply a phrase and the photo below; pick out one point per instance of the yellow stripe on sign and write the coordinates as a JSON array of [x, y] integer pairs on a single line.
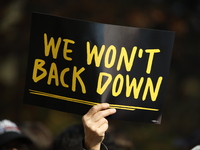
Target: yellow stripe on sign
[[124, 107]]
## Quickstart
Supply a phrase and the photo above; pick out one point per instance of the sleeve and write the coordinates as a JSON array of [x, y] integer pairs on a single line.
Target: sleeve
[[103, 146]]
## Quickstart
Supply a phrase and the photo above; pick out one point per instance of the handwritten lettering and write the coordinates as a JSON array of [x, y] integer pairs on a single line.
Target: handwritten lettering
[[54, 78], [111, 57], [133, 86], [55, 47], [102, 56]]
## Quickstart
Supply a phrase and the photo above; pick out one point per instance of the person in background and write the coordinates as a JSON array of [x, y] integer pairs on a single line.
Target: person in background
[[39, 134], [193, 140], [11, 138], [196, 147]]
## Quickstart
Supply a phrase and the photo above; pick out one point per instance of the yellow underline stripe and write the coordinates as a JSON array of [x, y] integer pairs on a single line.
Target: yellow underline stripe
[[124, 107]]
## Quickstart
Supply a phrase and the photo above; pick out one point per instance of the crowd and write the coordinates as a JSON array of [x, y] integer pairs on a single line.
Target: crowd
[[90, 135]]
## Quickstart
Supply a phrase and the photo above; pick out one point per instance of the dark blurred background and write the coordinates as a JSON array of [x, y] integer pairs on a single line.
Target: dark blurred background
[[182, 103]]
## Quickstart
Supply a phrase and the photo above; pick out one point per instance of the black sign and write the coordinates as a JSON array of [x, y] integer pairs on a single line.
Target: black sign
[[75, 64]]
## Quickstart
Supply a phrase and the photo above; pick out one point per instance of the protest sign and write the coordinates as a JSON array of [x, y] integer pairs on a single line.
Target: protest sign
[[74, 64]]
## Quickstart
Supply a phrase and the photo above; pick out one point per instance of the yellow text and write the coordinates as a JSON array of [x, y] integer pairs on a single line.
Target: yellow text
[[53, 46], [93, 53], [132, 86], [56, 78]]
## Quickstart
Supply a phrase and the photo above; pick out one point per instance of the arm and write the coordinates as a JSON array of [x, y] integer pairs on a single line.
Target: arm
[[95, 125]]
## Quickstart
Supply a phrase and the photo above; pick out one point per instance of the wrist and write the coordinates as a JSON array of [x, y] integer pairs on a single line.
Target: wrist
[[87, 145], [101, 146], [92, 147]]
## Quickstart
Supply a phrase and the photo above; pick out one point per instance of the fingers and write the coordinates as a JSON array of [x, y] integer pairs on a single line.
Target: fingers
[[102, 124], [95, 124], [97, 129], [95, 118], [97, 108], [102, 114], [99, 111]]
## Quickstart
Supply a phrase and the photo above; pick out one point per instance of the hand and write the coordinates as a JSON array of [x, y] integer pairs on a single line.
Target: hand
[[95, 125]]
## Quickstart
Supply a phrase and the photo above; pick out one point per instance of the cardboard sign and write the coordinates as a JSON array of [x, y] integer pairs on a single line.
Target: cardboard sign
[[75, 64]]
